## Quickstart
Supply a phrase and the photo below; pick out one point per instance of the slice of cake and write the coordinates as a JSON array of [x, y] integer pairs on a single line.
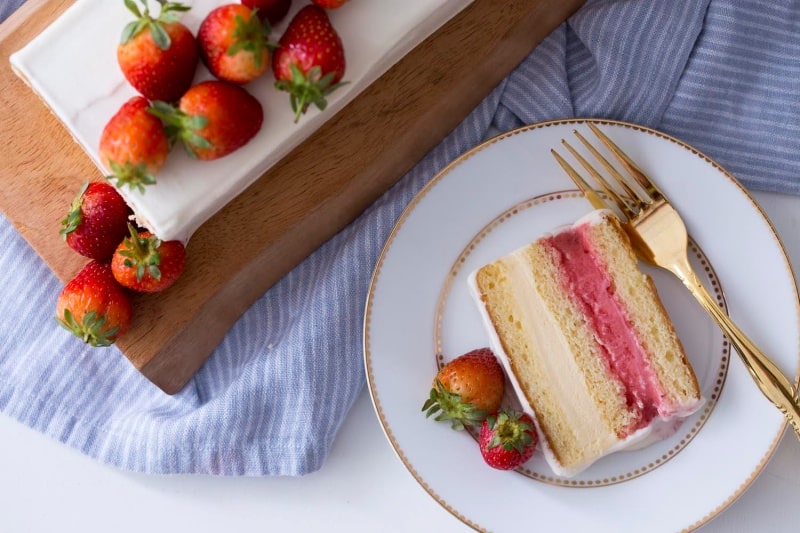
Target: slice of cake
[[586, 342]]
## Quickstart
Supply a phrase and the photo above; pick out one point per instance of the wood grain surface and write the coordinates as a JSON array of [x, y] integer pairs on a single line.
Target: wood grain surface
[[294, 207]]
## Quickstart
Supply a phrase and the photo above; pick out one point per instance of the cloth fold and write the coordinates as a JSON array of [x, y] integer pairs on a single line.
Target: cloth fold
[[720, 75]]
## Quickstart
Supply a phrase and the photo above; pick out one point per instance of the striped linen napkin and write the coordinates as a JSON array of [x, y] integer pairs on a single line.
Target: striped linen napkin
[[723, 76]]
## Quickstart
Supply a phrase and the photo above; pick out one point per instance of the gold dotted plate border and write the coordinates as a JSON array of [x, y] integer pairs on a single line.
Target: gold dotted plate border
[[710, 390], [367, 345]]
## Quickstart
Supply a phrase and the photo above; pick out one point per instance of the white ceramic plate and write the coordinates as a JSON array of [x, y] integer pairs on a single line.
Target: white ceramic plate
[[507, 192]]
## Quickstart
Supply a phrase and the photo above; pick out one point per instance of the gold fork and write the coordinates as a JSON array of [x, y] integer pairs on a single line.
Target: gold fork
[[659, 237]]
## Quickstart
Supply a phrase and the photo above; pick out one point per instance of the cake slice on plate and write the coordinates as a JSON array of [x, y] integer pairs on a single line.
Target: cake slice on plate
[[586, 342]]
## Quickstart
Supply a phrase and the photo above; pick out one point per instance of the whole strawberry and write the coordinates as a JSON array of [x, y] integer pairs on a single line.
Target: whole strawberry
[[309, 62], [158, 56], [507, 439], [234, 43], [145, 263], [134, 145], [93, 307], [329, 4], [466, 389], [97, 221], [213, 119], [273, 11]]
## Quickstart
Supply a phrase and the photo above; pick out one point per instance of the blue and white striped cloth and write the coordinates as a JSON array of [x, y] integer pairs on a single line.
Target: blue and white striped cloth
[[723, 76]]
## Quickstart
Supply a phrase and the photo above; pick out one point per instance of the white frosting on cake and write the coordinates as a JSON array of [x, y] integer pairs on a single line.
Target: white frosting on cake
[[72, 66]]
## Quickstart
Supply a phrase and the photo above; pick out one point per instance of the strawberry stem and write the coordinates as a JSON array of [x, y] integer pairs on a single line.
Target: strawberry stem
[[75, 215], [143, 20], [306, 88], [142, 254], [181, 127], [447, 406], [252, 36]]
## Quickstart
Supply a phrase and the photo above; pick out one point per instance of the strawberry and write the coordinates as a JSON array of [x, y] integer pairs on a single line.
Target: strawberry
[[145, 263], [309, 62], [329, 4], [234, 43], [507, 439], [158, 56], [93, 306], [134, 145], [213, 119], [97, 221], [466, 389], [273, 11]]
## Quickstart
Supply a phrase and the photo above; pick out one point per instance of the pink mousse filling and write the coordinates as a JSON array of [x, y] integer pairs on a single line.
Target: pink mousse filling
[[585, 280]]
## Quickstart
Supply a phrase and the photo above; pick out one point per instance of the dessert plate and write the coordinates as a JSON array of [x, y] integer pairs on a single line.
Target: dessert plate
[[508, 191]]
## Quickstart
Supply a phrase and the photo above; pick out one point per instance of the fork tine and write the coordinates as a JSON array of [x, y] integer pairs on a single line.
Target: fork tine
[[607, 189], [636, 199], [590, 193], [638, 174]]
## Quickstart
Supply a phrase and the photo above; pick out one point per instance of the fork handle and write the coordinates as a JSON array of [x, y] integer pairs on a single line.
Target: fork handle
[[772, 382]]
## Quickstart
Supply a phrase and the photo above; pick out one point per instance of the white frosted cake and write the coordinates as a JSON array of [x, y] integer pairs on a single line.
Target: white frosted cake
[[72, 66], [586, 343]]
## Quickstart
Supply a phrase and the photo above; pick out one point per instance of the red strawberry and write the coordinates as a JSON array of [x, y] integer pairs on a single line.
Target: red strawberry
[[134, 145], [272, 11], [234, 43], [466, 389], [158, 56], [507, 439], [329, 4], [309, 62], [97, 221], [93, 306], [145, 263], [213, 119]]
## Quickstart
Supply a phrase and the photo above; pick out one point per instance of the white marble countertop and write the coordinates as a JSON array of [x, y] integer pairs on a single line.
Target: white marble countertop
[[363, 487]]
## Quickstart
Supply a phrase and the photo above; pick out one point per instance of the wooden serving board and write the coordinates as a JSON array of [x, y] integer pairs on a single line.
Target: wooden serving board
[[294, 207]]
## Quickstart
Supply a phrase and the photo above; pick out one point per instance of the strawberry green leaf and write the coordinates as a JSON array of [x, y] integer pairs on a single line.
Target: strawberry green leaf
[[160, 36], [91, 329], [134, 176], [75, 215]]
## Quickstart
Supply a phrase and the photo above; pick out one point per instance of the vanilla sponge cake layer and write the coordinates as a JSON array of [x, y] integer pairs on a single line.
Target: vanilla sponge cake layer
[[586, 341]]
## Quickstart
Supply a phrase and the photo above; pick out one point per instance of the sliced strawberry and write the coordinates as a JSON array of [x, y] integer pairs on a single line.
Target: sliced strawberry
[[309, 62], [466, 389], [145, 263], [507, 439], [97, 221], [93, 307]]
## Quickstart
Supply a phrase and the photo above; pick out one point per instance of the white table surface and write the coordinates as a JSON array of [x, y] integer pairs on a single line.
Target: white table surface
[[363, 487]]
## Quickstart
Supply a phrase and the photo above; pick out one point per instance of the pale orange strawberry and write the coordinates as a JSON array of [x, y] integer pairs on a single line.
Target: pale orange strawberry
[[466, 389]]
